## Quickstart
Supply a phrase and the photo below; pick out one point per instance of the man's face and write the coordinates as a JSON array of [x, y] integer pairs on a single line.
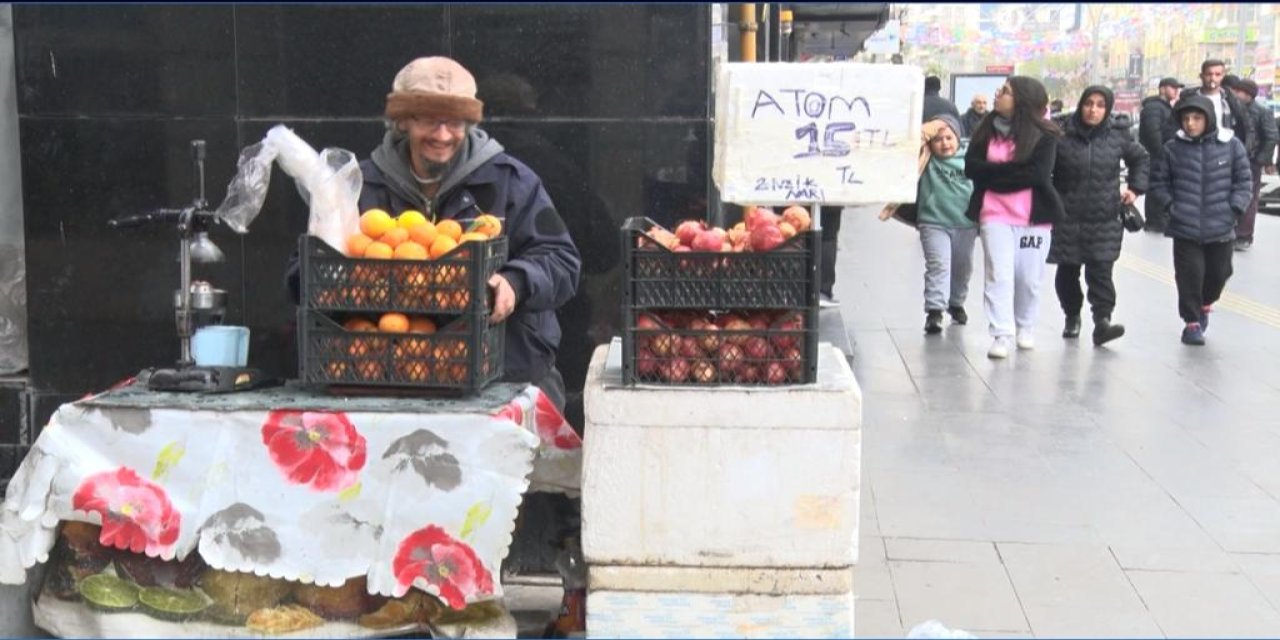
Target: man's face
[[1093, 110], [945, 144], [979, 104], [434, 141], [1193, 123], [1169, 93], [1211, 78]]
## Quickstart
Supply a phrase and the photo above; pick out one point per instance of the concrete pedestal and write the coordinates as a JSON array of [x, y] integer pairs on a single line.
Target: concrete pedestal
[[721, 511]]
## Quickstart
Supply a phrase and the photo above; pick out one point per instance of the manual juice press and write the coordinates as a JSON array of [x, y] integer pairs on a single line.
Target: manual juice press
[[198, 306]]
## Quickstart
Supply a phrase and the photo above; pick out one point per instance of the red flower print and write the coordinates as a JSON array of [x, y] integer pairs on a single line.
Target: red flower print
[[448, 564], [136, 513], [322, 450], [512, 412], [551, 426]]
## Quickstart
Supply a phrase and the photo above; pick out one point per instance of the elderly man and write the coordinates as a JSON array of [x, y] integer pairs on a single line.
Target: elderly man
[[977, 111], [1261, 154], [435, 159]]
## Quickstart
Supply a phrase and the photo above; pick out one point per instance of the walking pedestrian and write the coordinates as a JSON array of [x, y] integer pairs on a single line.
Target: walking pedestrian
[[1087, 176], [1010, 161], [1155, 128], [946, 233], [1260, 152], [934, 103], [1204, 183], [977, 110]]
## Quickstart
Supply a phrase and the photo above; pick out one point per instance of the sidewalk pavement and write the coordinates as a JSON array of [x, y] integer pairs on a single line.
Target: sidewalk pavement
[[1128, 490]]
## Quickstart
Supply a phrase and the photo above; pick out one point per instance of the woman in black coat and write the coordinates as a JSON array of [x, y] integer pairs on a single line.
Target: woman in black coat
[[1087, 175]]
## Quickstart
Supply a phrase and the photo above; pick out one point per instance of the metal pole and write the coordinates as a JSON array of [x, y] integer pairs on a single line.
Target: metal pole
[[748, 26]]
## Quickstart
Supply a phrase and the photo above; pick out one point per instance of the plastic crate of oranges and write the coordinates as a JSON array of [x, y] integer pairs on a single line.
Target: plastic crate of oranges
[[407, 305]]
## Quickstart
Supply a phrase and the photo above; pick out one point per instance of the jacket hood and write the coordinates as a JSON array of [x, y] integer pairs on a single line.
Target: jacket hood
[[1108, 98], [1203, 105], [1149, 99]]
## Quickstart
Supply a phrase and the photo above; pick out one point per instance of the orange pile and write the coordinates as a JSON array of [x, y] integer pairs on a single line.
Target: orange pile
[[410, 236]]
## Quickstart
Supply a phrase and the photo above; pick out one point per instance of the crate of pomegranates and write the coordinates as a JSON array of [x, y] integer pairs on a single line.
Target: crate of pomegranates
[[743, 347], [767, 261]]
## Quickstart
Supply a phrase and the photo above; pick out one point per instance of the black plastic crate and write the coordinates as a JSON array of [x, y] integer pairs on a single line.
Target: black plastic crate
[[454, 283], [465, 354], [658, 278], [672, 353]]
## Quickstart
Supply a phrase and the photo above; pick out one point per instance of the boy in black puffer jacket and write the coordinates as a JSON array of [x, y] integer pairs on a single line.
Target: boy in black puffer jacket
[[1204, 182]]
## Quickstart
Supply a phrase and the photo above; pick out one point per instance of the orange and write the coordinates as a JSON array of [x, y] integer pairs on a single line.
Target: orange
[[359, 324], [394, 237], [356, 245], [420, 324], [443, 244], [488, 224], [375, 222], [410, 219], [449, 228], [423, 234], [393, 323], [472, 235], [410, 250], [379, 250]]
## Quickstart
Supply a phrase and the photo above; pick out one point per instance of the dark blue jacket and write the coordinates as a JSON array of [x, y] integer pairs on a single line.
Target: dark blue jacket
[[1204, 184], [543, 263]]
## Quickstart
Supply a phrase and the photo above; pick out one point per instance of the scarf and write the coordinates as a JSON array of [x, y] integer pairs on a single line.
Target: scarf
[[1003, 125]]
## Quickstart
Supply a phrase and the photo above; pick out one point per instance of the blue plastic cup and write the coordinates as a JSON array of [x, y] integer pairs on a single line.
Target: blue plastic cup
[[221, 346]]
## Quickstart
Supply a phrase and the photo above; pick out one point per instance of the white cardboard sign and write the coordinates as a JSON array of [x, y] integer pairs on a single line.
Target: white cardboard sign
[[835, 133]]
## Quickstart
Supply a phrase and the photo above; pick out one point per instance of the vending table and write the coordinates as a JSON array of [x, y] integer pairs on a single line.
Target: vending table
[[292, 484]]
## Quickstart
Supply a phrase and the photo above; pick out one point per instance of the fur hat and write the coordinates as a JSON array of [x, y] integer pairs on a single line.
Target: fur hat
[[437, 87]]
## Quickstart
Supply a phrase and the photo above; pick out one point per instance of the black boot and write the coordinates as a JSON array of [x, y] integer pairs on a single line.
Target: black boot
[[1072, 329], [933, 322], [958, 315], [1104, 331]]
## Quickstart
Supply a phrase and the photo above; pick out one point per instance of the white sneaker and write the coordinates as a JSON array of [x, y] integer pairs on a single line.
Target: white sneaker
[[1026, 342], [999, 348]]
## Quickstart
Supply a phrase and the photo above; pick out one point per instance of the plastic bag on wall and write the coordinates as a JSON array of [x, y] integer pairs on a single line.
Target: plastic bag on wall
[[13, 310], [329, 182], [934, 629]]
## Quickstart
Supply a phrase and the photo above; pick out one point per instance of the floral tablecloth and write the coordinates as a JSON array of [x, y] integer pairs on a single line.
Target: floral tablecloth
[[294, 484]]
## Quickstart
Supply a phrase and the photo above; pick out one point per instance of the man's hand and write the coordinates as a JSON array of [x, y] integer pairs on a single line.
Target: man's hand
[[1128, 197], [888, 211], [504, 298]]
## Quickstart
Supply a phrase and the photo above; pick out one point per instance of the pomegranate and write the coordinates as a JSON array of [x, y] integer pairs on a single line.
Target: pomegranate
[[793, 360], [755, 348], [736, 325], [730, 358], [788, 231], [689, 348], [675, 370], [798, 217], [775, 373], [792, 323], [703, 371], [646, 364], [758, 216], [664, 344], [749, 374], [723, 321], [665, 238], [709, 240], [766, 237], [758, 321], [688, 230]]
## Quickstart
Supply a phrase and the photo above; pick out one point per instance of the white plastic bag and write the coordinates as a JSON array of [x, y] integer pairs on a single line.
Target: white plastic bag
[[329, 182], [935, 629]]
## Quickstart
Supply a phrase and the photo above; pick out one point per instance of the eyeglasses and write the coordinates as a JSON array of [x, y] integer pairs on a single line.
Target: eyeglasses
[[432, 124]]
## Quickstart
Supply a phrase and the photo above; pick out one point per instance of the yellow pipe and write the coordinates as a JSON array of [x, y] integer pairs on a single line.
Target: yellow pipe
[[748, 26]]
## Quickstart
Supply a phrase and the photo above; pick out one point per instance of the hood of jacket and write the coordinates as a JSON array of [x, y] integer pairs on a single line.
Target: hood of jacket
[[1205, 106], [392, 157], [1077, 124]]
